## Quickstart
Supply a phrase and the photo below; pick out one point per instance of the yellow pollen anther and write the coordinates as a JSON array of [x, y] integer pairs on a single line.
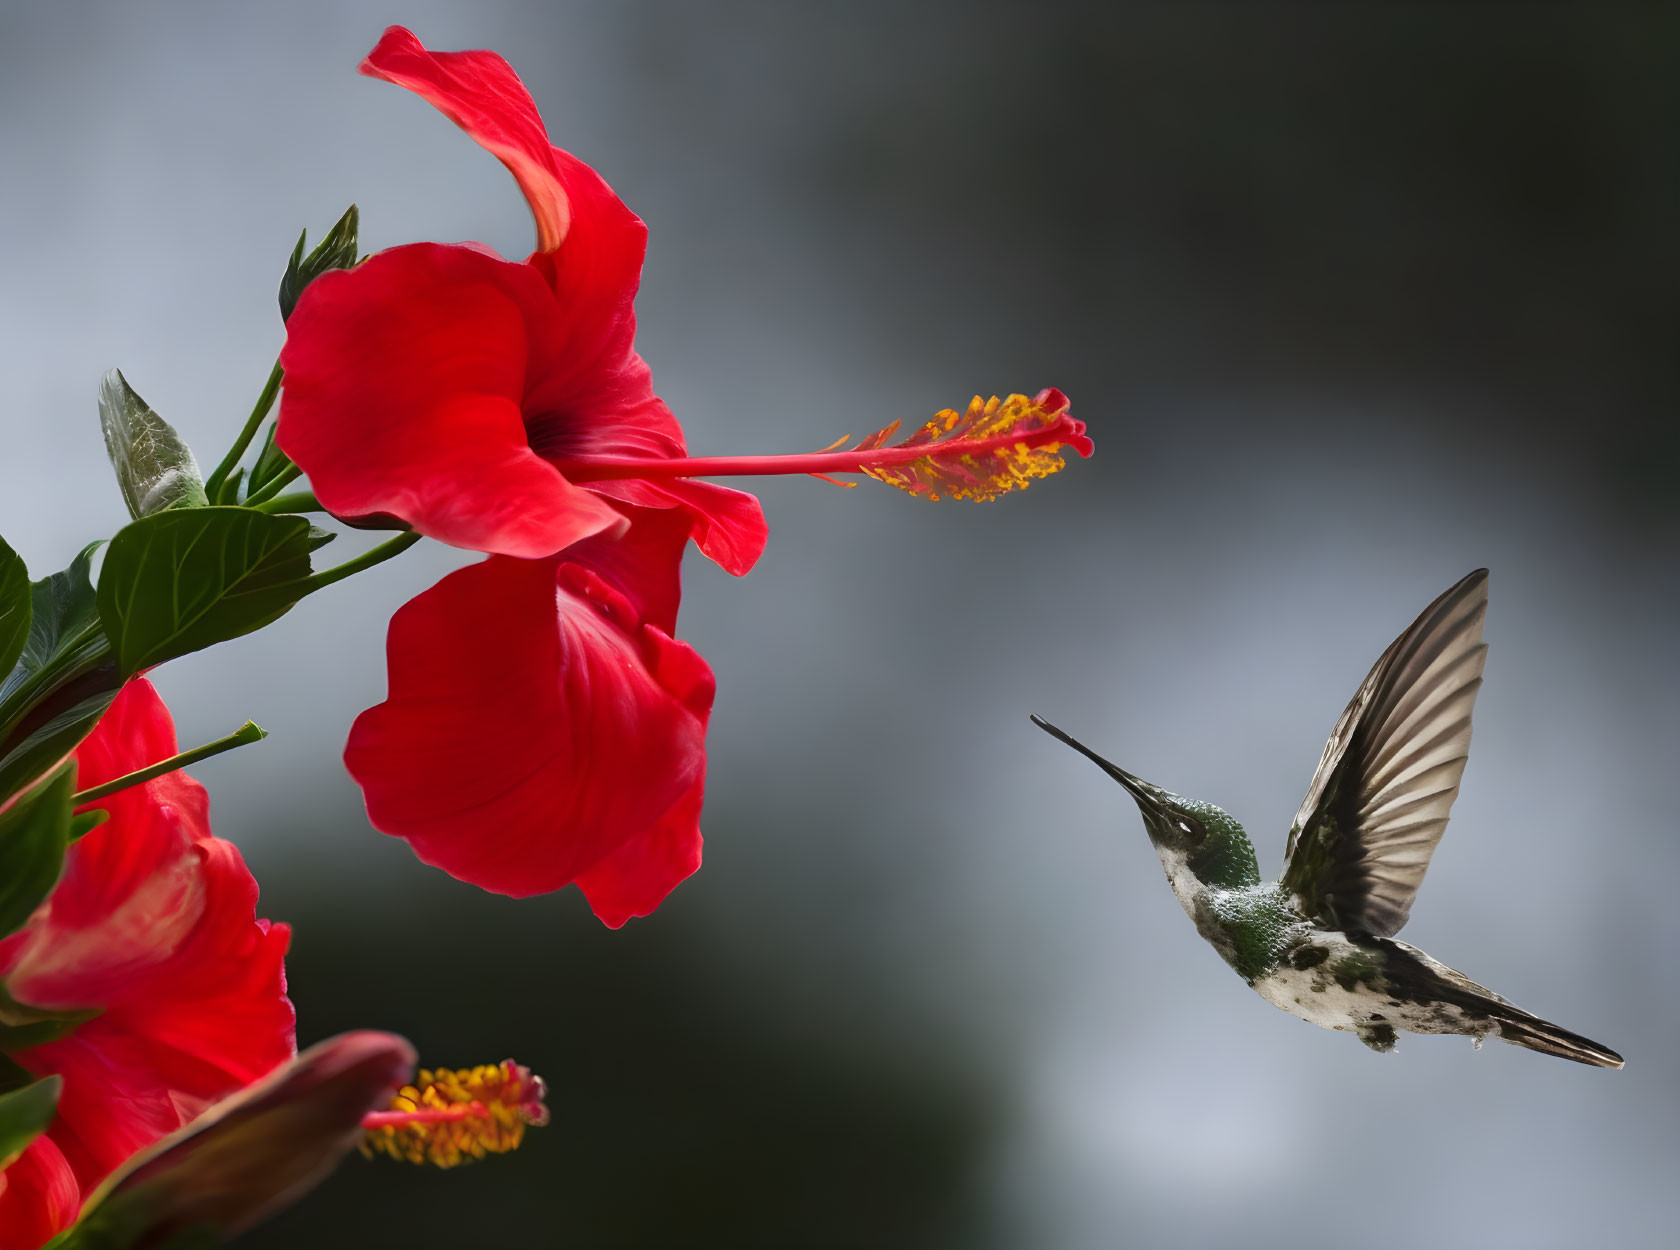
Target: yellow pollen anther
[[448, 1117], [996, 446]]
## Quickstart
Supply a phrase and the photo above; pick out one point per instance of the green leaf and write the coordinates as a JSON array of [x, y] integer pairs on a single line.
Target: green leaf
[[63, 629], [15, 608], [54, 738], [63, 681], [155, 469], [34, 831], [177, 582], [336, 251], [25, 1114]]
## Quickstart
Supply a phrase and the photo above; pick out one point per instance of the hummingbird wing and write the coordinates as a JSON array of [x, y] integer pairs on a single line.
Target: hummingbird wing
[[1379, 801]]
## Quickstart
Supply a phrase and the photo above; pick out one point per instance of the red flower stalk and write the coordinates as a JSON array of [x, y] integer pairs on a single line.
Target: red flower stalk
[[151, 930]]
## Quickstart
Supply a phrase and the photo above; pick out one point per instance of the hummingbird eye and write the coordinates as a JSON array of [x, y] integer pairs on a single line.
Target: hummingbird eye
[[1189, 826]]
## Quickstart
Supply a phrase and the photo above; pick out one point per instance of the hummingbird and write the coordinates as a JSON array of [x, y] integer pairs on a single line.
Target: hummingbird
[[1319, 941]]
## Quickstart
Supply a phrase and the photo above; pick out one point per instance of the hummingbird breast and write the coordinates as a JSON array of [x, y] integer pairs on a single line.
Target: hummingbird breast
[[1252, 928]]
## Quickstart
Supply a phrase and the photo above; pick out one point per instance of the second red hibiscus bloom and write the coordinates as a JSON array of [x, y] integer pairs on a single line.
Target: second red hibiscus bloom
[[152, 935]]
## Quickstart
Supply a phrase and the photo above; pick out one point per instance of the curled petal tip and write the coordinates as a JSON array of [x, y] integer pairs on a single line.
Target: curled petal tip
[[1057, 408], [481, 94]]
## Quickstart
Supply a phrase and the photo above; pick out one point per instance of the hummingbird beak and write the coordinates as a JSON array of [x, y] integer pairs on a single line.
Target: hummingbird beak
[[1137, 787]]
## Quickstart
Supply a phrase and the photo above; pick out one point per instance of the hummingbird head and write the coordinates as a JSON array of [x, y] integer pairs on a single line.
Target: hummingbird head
[[1187, 833]]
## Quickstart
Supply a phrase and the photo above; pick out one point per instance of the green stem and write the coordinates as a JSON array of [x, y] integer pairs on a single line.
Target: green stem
[[374, 555], [265, 401], [274, 485], [246, 733], [297, 501]]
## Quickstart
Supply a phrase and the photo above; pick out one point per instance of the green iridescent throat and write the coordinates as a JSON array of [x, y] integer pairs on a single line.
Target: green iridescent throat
[[1253, 922]]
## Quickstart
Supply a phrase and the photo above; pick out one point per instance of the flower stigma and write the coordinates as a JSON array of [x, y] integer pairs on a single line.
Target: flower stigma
[[448, 1117]]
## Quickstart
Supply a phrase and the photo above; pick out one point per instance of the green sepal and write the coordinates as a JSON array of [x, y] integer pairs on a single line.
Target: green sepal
[[25, 1114], [22, 1025], [319, 537], [62, 682], [155, 468], [336, 251], [271, 463], [178, 582], [248, 1156], [34, 832], [84, 823], [15, 607], [120, 1228]]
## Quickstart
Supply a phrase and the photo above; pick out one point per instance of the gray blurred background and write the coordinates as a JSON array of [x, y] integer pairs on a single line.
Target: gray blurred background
[[1354, 298]]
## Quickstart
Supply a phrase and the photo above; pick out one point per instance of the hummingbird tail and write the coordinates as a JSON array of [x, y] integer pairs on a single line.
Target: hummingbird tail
[[1522, 1029]]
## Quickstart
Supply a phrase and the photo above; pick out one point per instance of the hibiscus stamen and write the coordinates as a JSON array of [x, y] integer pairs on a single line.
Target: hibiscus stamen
[[447, 1117], [994, 447]]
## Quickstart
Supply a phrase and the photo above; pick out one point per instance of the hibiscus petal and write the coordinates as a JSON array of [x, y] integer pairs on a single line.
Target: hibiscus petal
[[635, 879], [404, 383], [177, 1030], [643, 564], [212, 1022], [136, 730], [39, 1197], [592, 243], [590, 247], [535, 723], [74, 954], [104, 874], [729, 526], [481, 94]]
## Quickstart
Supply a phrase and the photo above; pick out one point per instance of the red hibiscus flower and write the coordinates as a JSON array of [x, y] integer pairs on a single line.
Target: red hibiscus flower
[[152, 926], [440, 384], [502, 407], [543, 727]]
